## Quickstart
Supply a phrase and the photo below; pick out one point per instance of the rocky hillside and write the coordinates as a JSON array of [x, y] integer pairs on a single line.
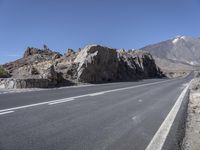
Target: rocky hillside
[[92, 64], [181, 52]]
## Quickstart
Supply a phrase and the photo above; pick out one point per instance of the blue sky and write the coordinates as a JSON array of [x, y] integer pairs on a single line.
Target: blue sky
[[63, 24]]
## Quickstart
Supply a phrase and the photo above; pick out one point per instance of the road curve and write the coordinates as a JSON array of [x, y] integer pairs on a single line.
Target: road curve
[[116, 116]]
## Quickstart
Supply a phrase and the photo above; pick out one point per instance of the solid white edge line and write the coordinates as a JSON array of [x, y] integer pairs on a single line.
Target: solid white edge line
[[80, 96], [159, 138], [6, 112]]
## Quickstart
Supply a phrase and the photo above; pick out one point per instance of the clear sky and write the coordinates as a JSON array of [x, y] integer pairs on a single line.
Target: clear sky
[[63, 24]]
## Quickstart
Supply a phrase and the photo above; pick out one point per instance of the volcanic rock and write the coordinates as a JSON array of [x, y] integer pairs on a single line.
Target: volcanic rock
[[92, 64]]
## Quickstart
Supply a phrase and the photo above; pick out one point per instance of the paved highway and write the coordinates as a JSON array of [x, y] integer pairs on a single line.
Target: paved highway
[[115, 116]]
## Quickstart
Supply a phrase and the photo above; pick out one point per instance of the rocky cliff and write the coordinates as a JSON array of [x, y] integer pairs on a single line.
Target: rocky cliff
[[92, 64]]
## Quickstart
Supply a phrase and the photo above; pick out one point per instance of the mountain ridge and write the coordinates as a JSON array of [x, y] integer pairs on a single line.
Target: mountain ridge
[[181, 50]]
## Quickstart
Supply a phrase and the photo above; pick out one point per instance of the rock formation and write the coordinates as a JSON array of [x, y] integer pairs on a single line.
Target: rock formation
[[92, 64], [97, 64], [101, 64], [137, 65]]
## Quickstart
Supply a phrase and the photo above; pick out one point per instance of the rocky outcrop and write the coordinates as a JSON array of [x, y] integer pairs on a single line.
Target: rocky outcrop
[[92, 64], [31, 57], [137, 65], [30, 51], [70, 53], [97, 64], [12, 83], [102, 64]]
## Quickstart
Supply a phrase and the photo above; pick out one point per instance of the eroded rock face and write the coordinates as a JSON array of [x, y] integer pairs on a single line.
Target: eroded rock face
[[145, 61], [32, 56], [12, 83], [92, 64], [97, 64], [30, 51], [101, 64]]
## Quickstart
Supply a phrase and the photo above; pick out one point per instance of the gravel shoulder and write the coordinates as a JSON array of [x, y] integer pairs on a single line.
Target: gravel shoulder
[[192, 133]]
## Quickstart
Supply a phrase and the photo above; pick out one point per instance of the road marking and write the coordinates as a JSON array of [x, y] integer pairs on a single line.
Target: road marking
[[160, 137], [61, 101], [140, 100], [134, 118], [81, 96], [6, 112], [96, 94]]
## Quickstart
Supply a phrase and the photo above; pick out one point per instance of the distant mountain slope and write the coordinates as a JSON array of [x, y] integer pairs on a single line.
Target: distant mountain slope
[[176, 53]]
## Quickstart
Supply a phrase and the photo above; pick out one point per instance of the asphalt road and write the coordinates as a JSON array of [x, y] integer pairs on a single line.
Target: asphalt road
[[115, 116]]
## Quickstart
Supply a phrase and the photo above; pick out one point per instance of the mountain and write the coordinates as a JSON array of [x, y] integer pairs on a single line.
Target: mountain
[[181, 52]]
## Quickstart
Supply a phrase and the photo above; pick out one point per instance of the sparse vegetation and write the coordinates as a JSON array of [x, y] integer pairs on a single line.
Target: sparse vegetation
[[3, 73]]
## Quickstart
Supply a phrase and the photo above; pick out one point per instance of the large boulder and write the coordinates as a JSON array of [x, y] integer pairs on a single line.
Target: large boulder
[[135, 65], [53, 76], [96, 64], [146, 62]]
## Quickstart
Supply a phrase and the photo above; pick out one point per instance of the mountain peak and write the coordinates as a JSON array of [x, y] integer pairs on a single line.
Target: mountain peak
[[181, 50], [179, 38]]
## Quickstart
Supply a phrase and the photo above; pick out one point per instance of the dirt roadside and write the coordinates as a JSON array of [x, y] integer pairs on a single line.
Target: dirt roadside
[[192, 133]]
